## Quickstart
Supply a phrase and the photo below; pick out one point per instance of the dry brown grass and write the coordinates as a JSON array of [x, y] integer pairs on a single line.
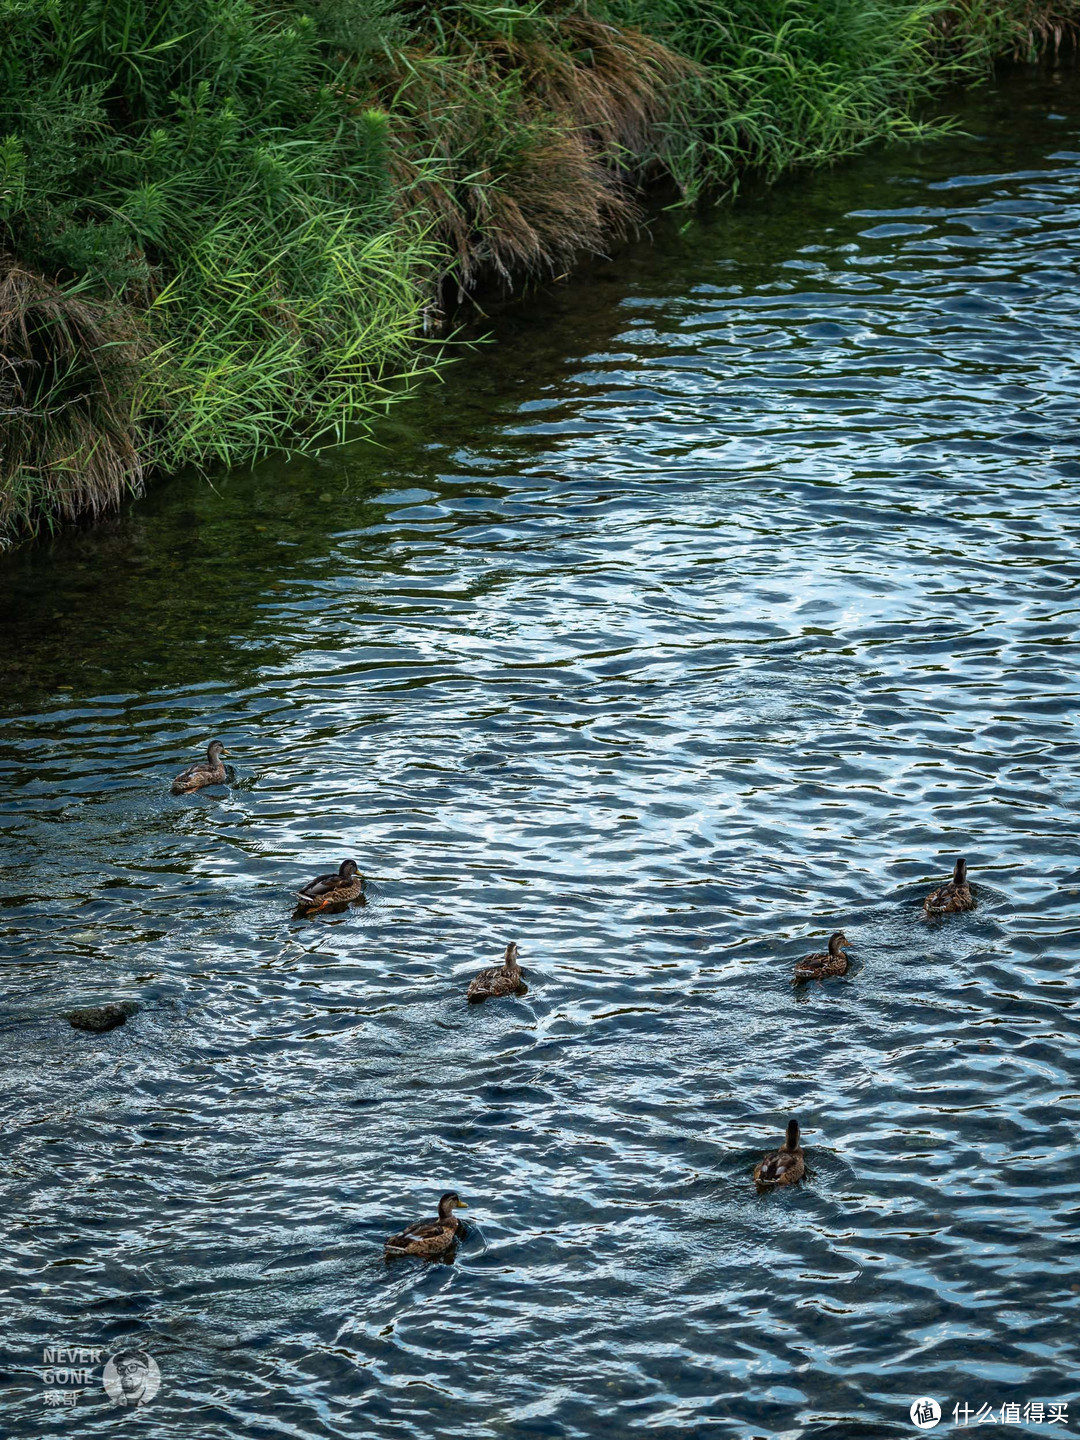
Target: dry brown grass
[[1016, 29], [614, 84], [1042, 27], [70, 380], [524, 148]]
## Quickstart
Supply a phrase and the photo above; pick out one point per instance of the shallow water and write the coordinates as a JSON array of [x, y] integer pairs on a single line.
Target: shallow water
[[723, 602]]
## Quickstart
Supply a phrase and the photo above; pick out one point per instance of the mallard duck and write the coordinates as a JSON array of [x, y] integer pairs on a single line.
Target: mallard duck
[[831, 962], [504, 979], [204, 772], [956, 895], [326, 891], [783, 1166], [430, 1237]]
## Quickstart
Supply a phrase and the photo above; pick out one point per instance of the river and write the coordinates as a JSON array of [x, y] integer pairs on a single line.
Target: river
[[720, 603]]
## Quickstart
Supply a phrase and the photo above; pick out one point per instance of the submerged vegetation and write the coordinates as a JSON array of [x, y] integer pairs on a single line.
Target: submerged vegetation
[[228, 223]]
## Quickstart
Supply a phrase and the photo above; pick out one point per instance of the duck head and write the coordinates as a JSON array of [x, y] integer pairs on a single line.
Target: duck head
[[838, 942], [450, 1202], [347, 869], [959, 874], [791, 1139], [214, 751]]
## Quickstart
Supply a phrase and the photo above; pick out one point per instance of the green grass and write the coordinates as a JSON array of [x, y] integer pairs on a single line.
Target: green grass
[[200, 176], [226, 225]]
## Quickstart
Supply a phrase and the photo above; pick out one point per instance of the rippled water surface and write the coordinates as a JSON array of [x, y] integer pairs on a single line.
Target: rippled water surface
[[722, 602]]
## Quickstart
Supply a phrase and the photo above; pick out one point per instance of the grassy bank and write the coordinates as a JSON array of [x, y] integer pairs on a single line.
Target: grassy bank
[[229, 224]]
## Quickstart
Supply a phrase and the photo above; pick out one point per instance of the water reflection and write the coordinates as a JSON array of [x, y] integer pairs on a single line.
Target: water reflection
[[720, 606]]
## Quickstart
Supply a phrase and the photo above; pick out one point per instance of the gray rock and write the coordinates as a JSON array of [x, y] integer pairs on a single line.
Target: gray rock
[[101, 1017]]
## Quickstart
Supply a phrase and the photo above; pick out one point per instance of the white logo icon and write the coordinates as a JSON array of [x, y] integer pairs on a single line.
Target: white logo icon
[[131, 1377], [925, 1414]]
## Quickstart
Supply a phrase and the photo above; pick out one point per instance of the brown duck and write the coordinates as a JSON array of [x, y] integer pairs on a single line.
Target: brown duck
[[956, 895], [504, 979], [204, 772], [783, 1166], [430, 1237], [831, 962], [326, 891]]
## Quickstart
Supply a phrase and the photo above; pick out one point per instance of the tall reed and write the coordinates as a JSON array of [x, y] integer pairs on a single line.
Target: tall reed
[[195, 174]]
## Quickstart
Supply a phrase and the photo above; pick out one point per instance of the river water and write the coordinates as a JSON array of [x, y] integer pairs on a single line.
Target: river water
[[721, 603]]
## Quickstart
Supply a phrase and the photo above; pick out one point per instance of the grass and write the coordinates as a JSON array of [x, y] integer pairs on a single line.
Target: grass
[[521, 131], [982, 31], [791, 82], [227, 225], [200, 242], [70, 394]]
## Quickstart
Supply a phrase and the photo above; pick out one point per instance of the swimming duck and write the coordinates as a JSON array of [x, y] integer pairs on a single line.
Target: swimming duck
[[204, 772], [783, 1166], [326, 891], [504, 979], [956, 895], [832, 962], [430, 1237]]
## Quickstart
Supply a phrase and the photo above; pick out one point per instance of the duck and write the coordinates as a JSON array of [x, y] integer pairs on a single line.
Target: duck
[[204, 772], [956, 895], [430, 1237], [784, 1166], [831, 962], [504, 979], [326, 891]]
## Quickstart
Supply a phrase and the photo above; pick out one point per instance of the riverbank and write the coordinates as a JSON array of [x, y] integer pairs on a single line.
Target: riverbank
[[229, 225]]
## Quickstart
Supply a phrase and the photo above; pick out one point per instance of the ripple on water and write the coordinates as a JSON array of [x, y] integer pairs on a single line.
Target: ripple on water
[[723, 604]]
